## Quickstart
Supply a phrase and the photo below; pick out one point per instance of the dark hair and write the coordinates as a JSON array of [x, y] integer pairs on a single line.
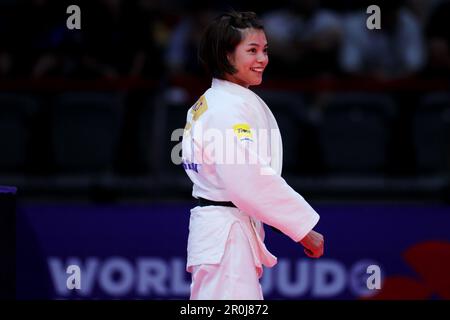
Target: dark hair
[[221, 37]]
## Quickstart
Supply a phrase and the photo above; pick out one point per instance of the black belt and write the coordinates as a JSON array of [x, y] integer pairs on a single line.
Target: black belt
[[205, 202]]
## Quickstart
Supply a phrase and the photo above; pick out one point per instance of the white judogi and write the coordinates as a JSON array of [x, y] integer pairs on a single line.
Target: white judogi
[[230, 121]]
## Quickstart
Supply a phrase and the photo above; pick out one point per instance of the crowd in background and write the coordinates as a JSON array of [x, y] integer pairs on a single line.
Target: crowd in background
[[157, 39], [136, 61]]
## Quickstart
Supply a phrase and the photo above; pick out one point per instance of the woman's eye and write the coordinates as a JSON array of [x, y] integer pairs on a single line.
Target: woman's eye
[[253, 50]]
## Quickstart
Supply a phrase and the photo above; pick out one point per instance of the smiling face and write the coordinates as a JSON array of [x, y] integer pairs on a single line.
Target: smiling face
[[249, 59]]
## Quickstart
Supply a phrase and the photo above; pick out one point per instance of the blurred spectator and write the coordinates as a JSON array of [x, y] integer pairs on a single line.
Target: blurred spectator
[[181, 54], [149, 27], [108, 49], [438, 41], [303, 39], [5, 63], [6, 39], [124, 38], [421, 9], [395, 50], [38, 35]]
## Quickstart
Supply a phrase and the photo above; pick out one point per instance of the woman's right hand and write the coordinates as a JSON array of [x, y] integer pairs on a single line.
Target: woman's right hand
[[313, 244]]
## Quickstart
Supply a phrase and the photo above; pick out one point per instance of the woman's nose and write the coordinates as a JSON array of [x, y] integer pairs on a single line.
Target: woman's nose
[[262, 57]]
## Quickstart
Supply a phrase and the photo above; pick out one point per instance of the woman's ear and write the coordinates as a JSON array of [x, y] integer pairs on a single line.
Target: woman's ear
[[230, 58]]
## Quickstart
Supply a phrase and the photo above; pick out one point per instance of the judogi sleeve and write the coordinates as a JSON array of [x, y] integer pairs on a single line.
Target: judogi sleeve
[[253, 186]]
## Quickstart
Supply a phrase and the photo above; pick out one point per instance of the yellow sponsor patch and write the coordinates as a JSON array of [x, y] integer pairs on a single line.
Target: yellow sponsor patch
[[243, 131], [199, 108]]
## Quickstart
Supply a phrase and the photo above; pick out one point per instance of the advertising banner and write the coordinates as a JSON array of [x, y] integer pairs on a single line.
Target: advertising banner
[[139, 252]]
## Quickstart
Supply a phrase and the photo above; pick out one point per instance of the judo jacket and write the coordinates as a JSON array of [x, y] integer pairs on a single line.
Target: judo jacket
[[232, 151]]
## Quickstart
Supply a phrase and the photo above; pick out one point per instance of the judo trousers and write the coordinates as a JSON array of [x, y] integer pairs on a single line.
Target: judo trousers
[[235, 278]]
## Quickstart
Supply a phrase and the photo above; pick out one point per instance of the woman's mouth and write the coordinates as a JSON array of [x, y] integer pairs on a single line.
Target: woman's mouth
[[257, 69]]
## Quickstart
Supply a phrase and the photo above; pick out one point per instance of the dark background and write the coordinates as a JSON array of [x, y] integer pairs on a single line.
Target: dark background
[[88, 113], [86, 116]]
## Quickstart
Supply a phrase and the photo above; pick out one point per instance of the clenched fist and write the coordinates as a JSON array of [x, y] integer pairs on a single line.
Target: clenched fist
[[313, 243]]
